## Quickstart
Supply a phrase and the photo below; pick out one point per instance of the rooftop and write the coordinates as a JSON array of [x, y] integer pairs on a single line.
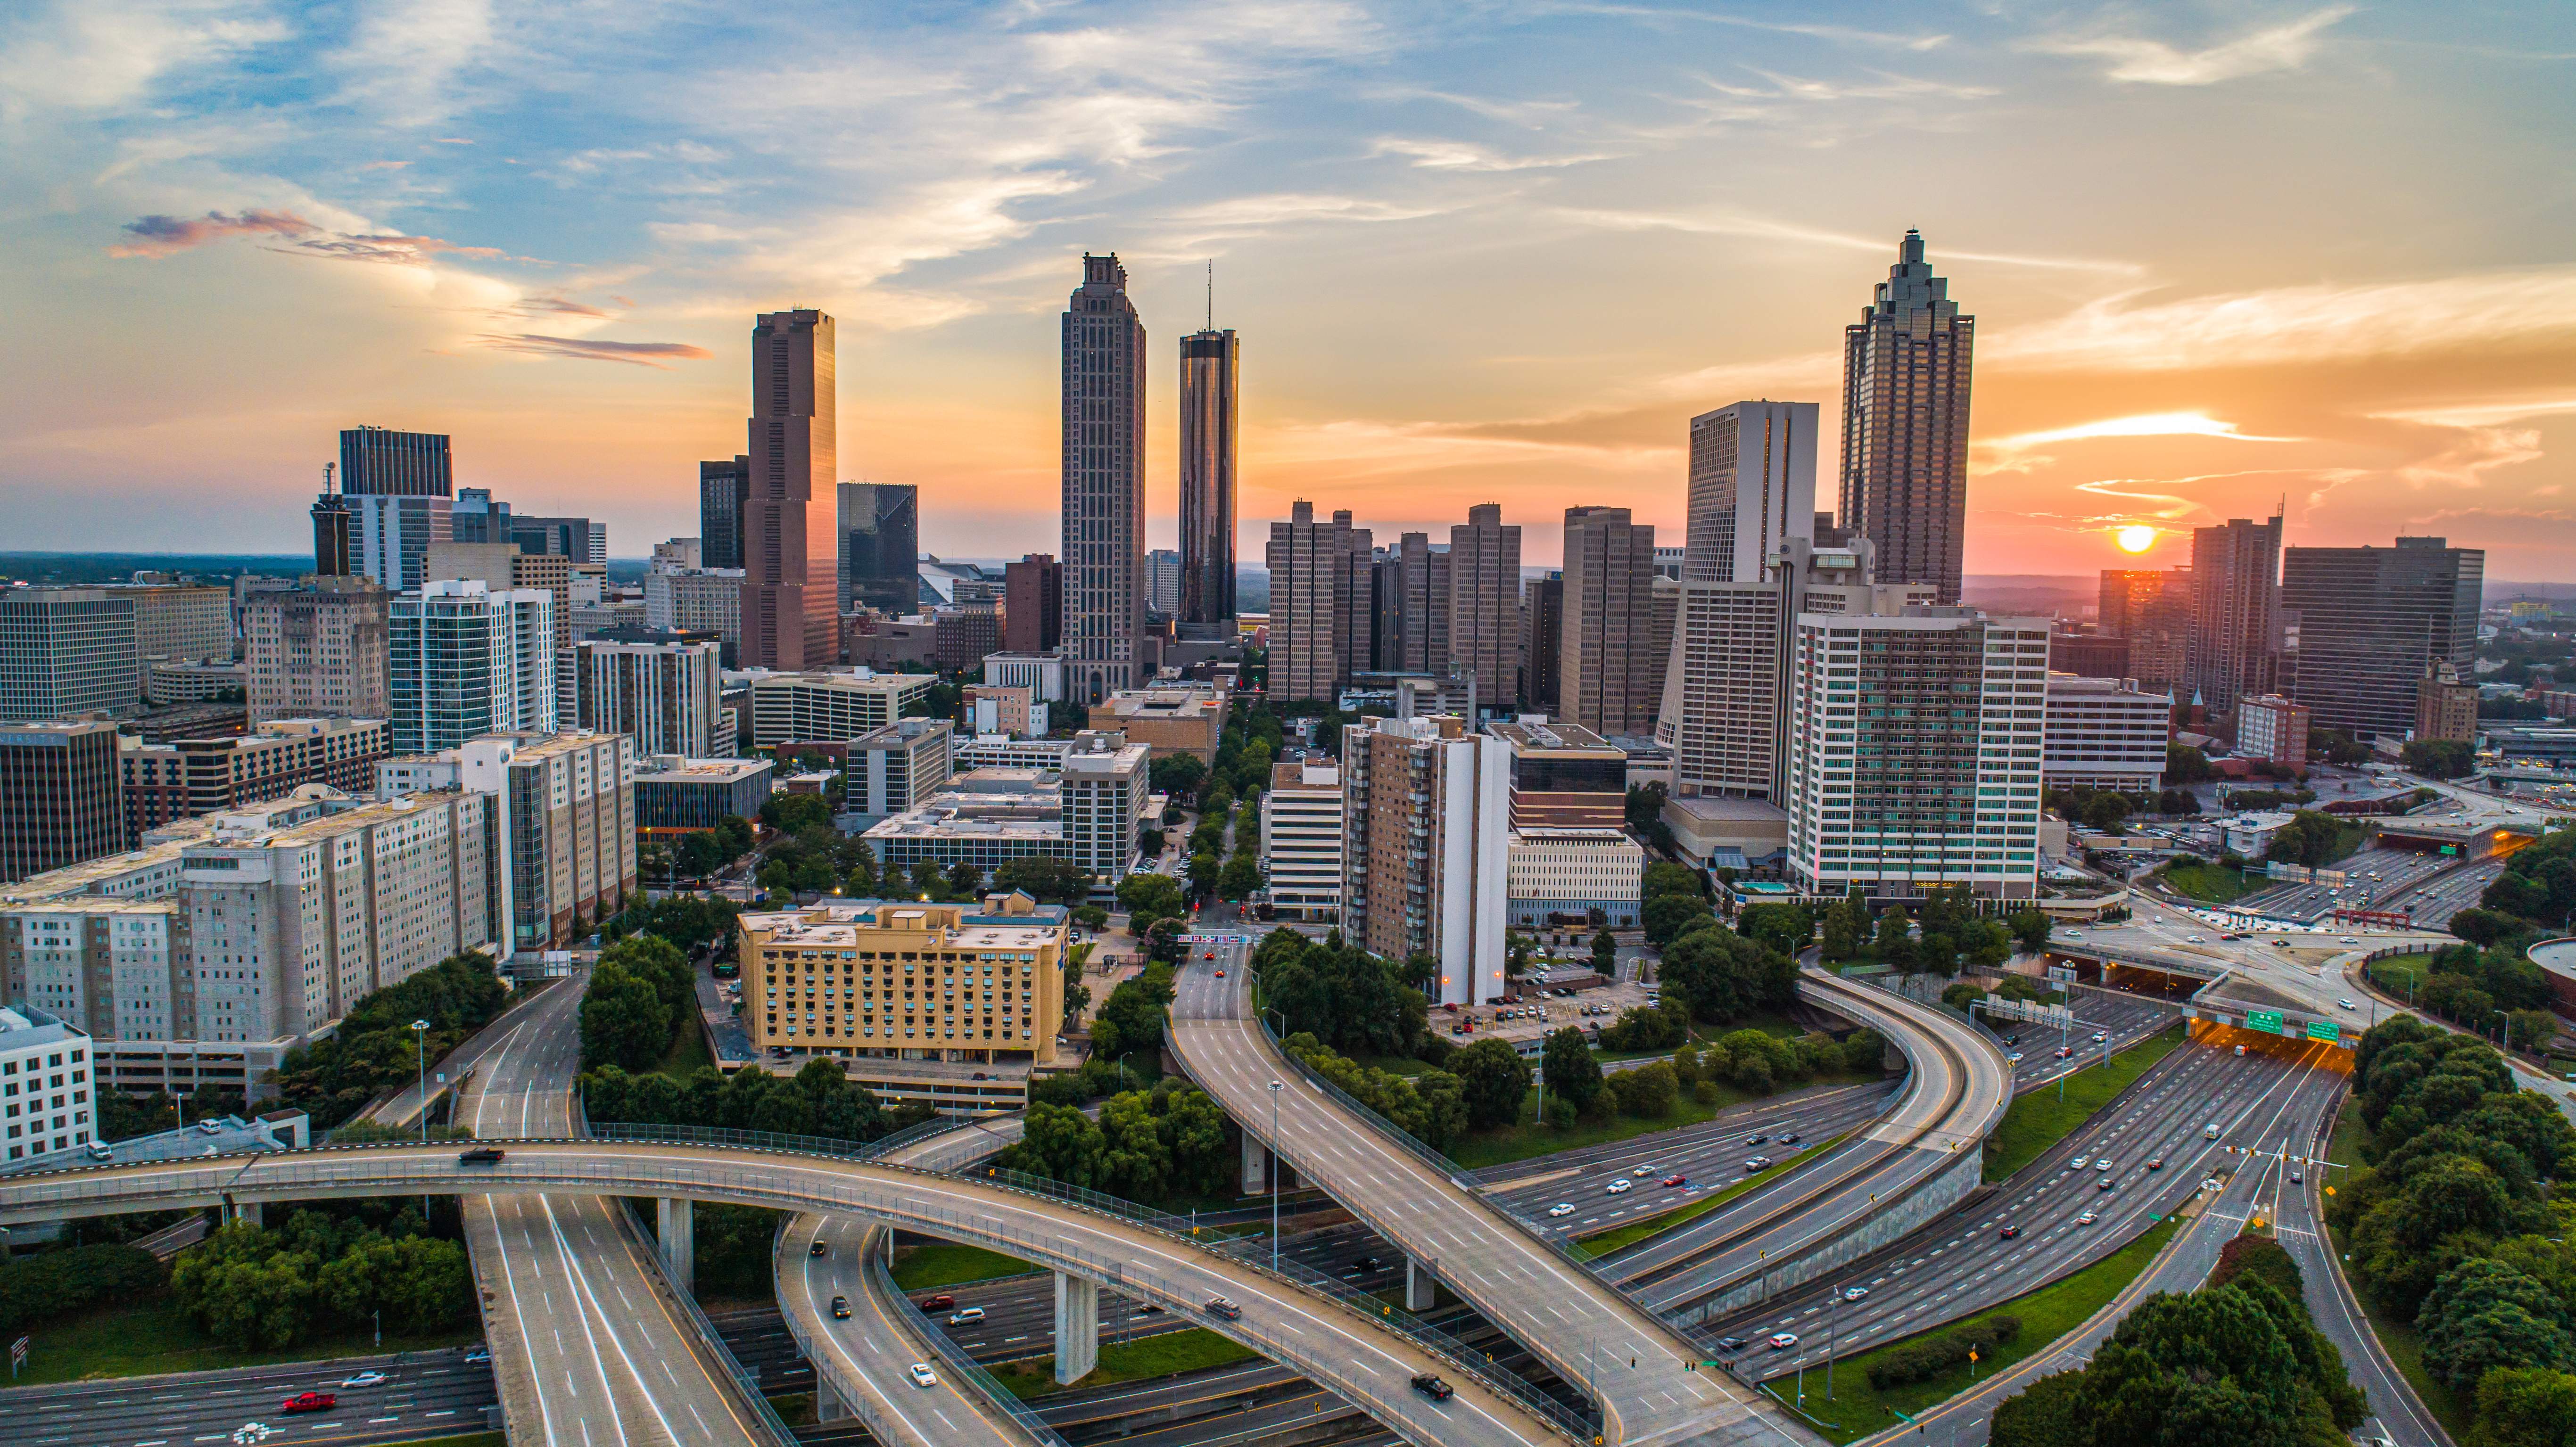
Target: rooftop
[[672, 769], [1540, 736]]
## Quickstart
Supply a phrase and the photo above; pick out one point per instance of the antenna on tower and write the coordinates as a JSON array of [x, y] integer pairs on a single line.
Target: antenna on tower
[[326, 477], [1211, 293]]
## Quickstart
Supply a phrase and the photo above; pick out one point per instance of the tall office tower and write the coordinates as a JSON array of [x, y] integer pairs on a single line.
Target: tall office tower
[[1316, 572], [2373, 622], [463, 660], [1386, 601], [790, 532], [380, 462], [393, 534], [1422, 600], [1032, 604], [1914, 751], [2235, 614], [666, 696], [723, 487], [1906, 367], [1104, 482], [477, 518], [66, 651], [1426, 848], [1163, 581], [1485, 603], [1752, 483], [1663, 620], [1543, 619], [1210, 370], [180, 620], [317, 651], [1603, 667], [880, 557], [59, 796], [334, 533]]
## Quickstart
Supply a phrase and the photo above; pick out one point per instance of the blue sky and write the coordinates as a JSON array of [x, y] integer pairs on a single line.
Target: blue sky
[[2219, 254]]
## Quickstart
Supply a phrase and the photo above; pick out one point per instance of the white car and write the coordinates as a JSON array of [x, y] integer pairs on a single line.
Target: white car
[[2345, 1005], [920, 1372], [2101, 1037], [2103, 1164], [2349, 940], [1855, 1293], [1561, 1208], [1757, 1163], [2079, 1163], [2194, 940], [2014, 1057], [1619, 1187], [363, 1379], [2087, 1219], [1781, 1341]]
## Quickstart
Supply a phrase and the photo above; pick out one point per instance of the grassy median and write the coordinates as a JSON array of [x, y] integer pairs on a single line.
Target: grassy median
[[153, 1336], [2038, 1119], [1590, 1247], [1858, 1409], [1164, 1354], [943, 1263]]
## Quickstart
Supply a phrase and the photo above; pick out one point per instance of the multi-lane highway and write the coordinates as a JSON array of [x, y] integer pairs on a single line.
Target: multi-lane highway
[[423, 1394], [587, 1349]]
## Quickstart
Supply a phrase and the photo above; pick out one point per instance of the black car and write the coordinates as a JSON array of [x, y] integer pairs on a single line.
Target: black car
[[818, 1249], [1755, 1140], [1218, 1306], [480, 1156], [1790, 1139], [841, 1308], [1368, 1263], [1730, 1343], [1432, 1387]]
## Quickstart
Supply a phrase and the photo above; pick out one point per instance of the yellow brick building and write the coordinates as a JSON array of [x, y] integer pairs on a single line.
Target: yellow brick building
[[973, 984]]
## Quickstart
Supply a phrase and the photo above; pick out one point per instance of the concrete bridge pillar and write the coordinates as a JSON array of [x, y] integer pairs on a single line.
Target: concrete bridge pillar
[[1420, 1286], [1256, 1164], [828, 1406], [236, 1212], [675, 1225], [1077, 1328]]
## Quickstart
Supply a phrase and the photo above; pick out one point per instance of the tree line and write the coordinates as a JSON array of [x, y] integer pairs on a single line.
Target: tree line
[[1147, 1145], [2535, 894], [641, 993], [2467, 986], [263, 1288], [375, 1048], [818, 1100]]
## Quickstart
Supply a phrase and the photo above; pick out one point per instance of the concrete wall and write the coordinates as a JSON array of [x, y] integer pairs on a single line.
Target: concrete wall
[[1904, 1215]]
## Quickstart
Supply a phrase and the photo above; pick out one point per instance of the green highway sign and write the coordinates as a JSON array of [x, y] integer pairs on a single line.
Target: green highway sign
[[2267, 1021], [2325, 1030]]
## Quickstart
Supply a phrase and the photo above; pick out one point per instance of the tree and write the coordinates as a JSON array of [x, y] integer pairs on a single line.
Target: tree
[[1239, 878], [1566, 1064], [1176, 775], [1665, 915], [2187, 765], [1787, 928], [1044, 878], [1648, 1091], [623, 1019], [2439, 758], [1149, 897], [2310, 838], [1846, 927], [1494, 1080], [1062, 1144], [2047, 1413], [2030, 929], [789, 813], [2106, 811], [2484, 1314], [2525, 1407], [1605, 955]]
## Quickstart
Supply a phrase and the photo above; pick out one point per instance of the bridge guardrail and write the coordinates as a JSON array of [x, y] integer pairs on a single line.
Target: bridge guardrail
[[744, 1379], [958, 1360]]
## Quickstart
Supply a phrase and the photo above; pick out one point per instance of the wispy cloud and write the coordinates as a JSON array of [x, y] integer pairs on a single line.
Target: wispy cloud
[[160, 236], [403, 60], [1439, 155], [2148, 424], [96, 54], [1718, 222], [642, 354], [2298, 323], [2143, 61]]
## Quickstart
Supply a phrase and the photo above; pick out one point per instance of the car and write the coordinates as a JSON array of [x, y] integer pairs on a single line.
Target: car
[[2008, 1233], [819, 1248], [1730, 1343], [2087, 1219], [1218, 1306], [1790, 1139], [309, 1402], [2347, 940], [966, 1316], [1148, 1309], [2075, 934], [1368, 1263], [1561, 1208], [921, 1374], [2079, 1163], [2105, 1183], [2284, 944], [2194, 940], [1432, 1387], [2296, 1179], [2014, 1057], [1755, 1140], [2104, 1164], [1855, 1293], [1781, 1341], [479, 1156], [2155, 1163], [1756, 1163], [362, 1379], [1211, 954], [1220, 974], [2345, 1005], [840, 1308], [2209, 1183], [941, 1302], [1619, 1187], [2100, 1036], [1676, 1180]]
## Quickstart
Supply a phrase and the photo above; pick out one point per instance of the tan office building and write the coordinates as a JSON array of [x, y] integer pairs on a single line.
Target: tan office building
[[955, 983]]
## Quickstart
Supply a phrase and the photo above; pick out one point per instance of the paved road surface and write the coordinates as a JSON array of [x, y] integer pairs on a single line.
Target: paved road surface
[[425, 1394]]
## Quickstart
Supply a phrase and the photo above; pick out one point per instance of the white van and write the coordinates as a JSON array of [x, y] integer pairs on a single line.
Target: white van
[[2212, 1131]]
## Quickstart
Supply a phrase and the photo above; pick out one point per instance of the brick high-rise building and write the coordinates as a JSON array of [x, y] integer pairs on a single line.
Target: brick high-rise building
[[1104, 482], [1211, 366], [665, 696], [1607, 677], [1485, 604], [1420, 606], [1316, 631], [1906, 370], [1543, 633], [791, 534], [1032, 604], [318, 651], [1426, 847]]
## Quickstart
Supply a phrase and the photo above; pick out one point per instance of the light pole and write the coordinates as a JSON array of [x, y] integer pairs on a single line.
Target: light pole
[[2508, 1032], [1275, 1088], [420, 1047]]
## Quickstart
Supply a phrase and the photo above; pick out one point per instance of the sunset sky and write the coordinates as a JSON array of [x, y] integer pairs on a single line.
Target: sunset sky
[[2219, 254]]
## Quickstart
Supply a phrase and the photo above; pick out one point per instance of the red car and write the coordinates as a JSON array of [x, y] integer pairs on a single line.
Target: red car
[[942, 1302], [1220, 974], [1676, 1180], [309, 1402], [2009, 1232], [1209, 955]]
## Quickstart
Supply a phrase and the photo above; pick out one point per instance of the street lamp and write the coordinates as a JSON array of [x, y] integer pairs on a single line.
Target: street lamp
[[2508, 1031], [420, 1047], [1275, 1088]]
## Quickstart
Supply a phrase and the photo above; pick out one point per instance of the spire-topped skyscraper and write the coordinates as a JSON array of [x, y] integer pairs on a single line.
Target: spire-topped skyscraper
[[1906, 367], [1210, 363], [1104, 483], [790, 515]]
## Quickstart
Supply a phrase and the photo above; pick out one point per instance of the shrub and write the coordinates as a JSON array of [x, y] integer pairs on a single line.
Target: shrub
[[1921, 1361]]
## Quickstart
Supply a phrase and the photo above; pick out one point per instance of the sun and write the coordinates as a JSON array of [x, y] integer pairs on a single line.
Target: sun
[[2135, 538]]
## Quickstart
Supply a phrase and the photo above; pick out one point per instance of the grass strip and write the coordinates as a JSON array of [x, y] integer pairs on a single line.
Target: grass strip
[[2405, 1347], [1857, 1409], [2210, 883], [153, 1336], [2038, 1119], [1506, 1144], [1602, 1244], [1164, 1354], [943, 1263]]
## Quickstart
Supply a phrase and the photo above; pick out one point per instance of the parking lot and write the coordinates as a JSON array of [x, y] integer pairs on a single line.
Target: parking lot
[[1538, 1012]]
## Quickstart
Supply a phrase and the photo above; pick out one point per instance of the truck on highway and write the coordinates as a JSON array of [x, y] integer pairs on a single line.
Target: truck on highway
[[2212, 1131]]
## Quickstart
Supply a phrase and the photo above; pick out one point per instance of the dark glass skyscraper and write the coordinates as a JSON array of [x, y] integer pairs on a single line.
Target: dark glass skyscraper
[[2235, 642], [1906, 367], [1210, 369], [380, 462], [722, 486], [1104, 482], [880, 547], [2373, 620]]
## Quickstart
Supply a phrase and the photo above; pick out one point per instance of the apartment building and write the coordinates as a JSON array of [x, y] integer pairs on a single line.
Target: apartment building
[[667, 697], [1425, 848], [463, 660], [829, 707], [894, 768], [697, 600], [186, 777], [2273, 729], [2105, 733], [566, 809], [318, 650], [1301, 839], [45, 1084], [978, 984]]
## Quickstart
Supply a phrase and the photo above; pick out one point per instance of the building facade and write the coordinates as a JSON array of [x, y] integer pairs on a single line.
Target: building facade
[[667, 697], [1043, 674], [565, 812], [2445, 708], [1317, 612], [829, 707], [181, 621], [2235, 614], [1174, 718], [68, 651], [1301, 840], [59, 796], [189, 777], [463, 660], [1104, 482], [2274, 729], [381, 462], [2373, 620], [45, 1077], [1211, 367], [1752, 484], [1426, 843], [679, 796], [880, 547], [1608, 677], [2105, 733], [723, 487], [790, 516], [895, 768], [1032, 604], [390, 537], [1485, 604], [319, 651], [697, 600], [960, 983], [1907, 366]]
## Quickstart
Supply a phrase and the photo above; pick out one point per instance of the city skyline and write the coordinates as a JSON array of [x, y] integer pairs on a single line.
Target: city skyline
[[2309, 338]]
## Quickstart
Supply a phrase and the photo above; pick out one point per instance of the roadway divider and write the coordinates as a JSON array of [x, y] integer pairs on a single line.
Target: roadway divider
[[828, 1376], [745, 1380], [914, 1319]]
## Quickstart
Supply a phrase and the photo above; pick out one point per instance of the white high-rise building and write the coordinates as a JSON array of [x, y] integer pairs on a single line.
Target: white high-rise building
[[1301, 839], [1915, 746], [1752, 487], [465, 660], [2106, 733]]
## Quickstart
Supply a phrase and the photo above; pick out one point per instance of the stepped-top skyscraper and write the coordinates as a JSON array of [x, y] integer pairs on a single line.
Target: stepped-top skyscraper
[[790, 515], [1210, 363], [1104, 482], [1906, 367]]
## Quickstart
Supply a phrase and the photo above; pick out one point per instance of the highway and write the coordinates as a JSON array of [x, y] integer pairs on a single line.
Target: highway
[[424, 1394], [586, 1349], [1584, 1329], [402, 1108], [1356, 1356]]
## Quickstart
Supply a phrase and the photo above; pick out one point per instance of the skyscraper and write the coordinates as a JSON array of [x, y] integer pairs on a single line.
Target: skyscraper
[[1315, 569], [1163, 581], [880, 564], [1421, 606], [1906, 367], [1104, 482], [333, 540], [1752, 483], [2373, 622], [2236, 614], [1607, 679], [1426, 825], [665, 696], [463, 659], [1543, 613], [791, 537], [66, 651], [380, 462], [1210, 368], [1485, 604], [1032, 604], [722, 488]]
